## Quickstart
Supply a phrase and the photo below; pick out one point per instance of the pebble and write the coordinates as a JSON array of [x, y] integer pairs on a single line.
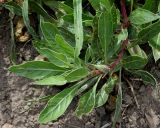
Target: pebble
[[142, 121], [128, 99], [7, 126]]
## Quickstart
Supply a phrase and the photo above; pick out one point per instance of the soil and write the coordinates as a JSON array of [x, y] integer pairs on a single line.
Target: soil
[[16, 111]]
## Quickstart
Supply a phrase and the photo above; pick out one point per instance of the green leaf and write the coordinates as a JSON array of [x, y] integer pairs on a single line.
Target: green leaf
[[102, 68], [146, 77], [106, 4], [115, 16], [25, 14], [58, 104], [87, 101], [49, 31], [149, 32], [65, 9], [68, 36], [105, 32], [13, 7], [78, 28], [89, 54], [137, 51], [134, 62], [66, 47], [36, 69], [56, 58], [120, 37], [52, 80], [155, 42], [69, 18], [88, 84], [39, 10], [156, 53], [95, 4], [95, 40], [141, 16], [103, 93], [151, 5], [99, 4], [77, 74]]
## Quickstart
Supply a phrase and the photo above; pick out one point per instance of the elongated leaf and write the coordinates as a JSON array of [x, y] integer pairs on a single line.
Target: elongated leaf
[[105, 28], [49, 31], [56, 58], [149, 32], [134, 62], [52, 80], [141, 16], [13, 7], [146, 77], [78, 28], [155, 42], [25, 15], [58, 104], [77, 74], [39, 10], [103, 93], [36, 69], [87, 101]]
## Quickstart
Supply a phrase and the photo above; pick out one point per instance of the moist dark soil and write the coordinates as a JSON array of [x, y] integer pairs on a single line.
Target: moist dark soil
[[16, 93]]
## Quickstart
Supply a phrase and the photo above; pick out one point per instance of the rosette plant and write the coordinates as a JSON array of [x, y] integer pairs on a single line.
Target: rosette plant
[[86, 48]]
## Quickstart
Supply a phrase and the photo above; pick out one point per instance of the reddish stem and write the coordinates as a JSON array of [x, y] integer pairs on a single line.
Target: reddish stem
[[124, 14], [120, 55], [125, 42]]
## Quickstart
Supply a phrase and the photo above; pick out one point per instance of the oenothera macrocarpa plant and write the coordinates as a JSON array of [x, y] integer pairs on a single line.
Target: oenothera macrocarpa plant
[[105, 43]]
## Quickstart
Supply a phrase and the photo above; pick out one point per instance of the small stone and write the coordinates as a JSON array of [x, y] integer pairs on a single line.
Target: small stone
[[7, 126], [133, 119], [128, 99], [43, 126], [101, 111], [142, 121], [142, 89], [6, 60]]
